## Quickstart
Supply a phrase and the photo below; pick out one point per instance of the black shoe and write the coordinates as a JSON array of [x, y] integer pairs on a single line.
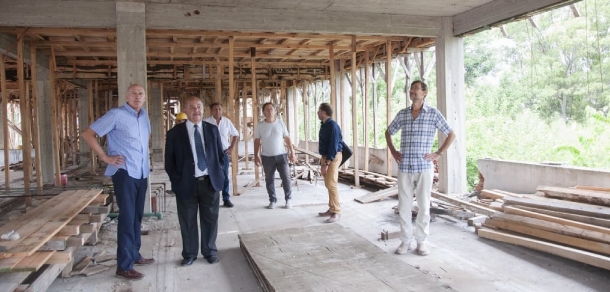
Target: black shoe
[[228, 204], [211, 259], [187, 262]]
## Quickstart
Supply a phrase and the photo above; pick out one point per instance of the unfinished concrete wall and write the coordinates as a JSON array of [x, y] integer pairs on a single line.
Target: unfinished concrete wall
[[524, 177]]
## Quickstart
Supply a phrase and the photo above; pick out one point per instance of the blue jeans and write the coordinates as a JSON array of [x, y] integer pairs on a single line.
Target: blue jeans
[[225, 188], [130, 194]]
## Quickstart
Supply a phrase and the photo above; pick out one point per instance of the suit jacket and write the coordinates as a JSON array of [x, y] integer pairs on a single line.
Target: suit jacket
[[180, 164]]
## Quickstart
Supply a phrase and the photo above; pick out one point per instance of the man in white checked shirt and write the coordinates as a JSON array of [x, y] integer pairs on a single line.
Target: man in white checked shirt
[[418, 124]]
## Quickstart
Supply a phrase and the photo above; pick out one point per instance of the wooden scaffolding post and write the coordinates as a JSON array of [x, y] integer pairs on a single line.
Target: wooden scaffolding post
[[306, 114], [296, 114], [388, 78], [23, 106], [355, 114], [91, 118], [341, 102], [5, 97], [254, 107], [219, 73], [54, 111], [365, 117], [35, 117], [231, 102], [244, 98], [333, 85]]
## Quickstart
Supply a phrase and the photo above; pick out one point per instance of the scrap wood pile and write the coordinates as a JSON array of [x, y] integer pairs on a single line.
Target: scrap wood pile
[[569, 222], [40, 244]]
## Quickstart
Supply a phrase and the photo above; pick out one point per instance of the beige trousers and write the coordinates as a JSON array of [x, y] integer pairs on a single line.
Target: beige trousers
[[330, 181]]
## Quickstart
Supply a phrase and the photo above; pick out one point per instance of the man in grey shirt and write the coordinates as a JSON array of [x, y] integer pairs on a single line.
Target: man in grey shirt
[[271, 133]]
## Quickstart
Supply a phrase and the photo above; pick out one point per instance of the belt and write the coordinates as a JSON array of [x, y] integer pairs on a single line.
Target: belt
[[203, 177]]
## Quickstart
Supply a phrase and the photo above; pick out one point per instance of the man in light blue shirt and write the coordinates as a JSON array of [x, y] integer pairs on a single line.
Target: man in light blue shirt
[[128, 130], [418, 125]]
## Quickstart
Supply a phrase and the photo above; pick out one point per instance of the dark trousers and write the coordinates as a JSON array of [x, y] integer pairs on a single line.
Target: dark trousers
[[225, 188], [130, 195], [204, 200], [270, 164]]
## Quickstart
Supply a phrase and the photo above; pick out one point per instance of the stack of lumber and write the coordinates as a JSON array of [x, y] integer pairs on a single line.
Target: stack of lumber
[[569, 222], [368, 178], [49, 236]]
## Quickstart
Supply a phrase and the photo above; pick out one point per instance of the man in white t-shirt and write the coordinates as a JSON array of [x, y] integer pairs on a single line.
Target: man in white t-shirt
[[271, 133], [228, 132]]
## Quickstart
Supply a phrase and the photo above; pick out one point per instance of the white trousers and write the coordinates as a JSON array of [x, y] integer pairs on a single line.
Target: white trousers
[[420, 185]]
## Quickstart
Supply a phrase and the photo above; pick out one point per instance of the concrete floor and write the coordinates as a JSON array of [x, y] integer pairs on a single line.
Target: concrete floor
[[459, 258]]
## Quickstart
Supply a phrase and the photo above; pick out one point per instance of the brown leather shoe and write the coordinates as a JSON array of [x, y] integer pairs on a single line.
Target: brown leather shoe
[[143, 261], [324, 214], [130, 275], [334, 218]]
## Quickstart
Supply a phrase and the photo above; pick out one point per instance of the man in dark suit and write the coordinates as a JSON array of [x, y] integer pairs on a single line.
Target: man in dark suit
[[194, 162]]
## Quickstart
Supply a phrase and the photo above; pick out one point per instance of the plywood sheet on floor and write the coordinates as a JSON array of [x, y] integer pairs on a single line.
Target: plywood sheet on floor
[[329, 258]]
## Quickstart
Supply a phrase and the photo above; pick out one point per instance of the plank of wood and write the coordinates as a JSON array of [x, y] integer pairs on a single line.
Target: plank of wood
[[492, 194], [10, 281], [66, 272], [34, 262], [31, 221], [478, 219], [88, 227], [517, 211], [60, 257], [69, 230], [105, 258], [574, 217], [553, 227], [58, 242], [81, 266], [466, 205], [80, 219], [561, 206], [7, 264], [376, 196], [577, 195], [101, 199], [584, 244], [592, 188], [559, 250], [89, 271], [53, 222], [78, 240], [46, 278], [97, 218]]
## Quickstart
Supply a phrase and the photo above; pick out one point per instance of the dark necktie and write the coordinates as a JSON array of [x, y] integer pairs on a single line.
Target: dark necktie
[[199, 150]]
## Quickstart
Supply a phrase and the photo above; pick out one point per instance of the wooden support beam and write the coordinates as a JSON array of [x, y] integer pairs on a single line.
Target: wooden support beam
[[244, 99], [536, 215], [219, 73], [306, 113], [561, 206], [388, 80], [25, 116], [90, 101], [254, 106], [333, 86], [365, 117], [4, 111], [355, 148], [231, 101]]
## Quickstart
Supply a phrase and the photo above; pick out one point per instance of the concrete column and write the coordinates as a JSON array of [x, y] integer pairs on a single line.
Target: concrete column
[[155, 111], [83, 117], [131, 46], [45, 119], [451, 103]]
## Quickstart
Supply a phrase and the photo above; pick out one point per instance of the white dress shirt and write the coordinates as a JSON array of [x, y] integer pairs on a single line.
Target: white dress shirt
[[190, 127]]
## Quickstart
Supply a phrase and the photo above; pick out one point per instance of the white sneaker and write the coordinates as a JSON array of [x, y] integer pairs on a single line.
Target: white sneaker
[[404, 247], [271, 205], [288, 204], [423, 249]]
